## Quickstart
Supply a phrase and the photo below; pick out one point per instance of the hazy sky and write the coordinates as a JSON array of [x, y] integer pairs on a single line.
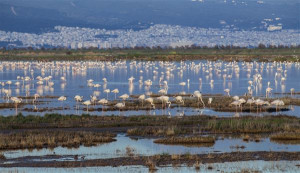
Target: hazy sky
[[43, 15]]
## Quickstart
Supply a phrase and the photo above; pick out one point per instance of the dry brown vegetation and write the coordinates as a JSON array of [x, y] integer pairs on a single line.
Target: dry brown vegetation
[[152, 162], [285, 136], [186, 140], [50, 139], [151, 165], [2, 157]]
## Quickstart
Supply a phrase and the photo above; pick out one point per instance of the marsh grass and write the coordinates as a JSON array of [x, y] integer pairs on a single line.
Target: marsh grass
[[151, 165], [186, 140], [285, 136], [166, 131], [157, 125], [49, 139], [197, 165], [2, 157], [130, 151], [252, 125]]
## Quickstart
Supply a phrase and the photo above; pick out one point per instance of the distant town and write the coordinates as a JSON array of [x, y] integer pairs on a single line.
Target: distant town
[[156, 35]]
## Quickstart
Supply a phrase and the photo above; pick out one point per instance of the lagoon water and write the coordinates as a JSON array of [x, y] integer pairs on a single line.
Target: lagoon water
[[145, 147], [252, 166], [205, 76]]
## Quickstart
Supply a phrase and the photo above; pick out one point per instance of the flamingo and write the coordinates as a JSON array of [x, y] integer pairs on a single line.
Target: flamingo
[[93, 99], [277, 103], [236, 98], [162, 91], [9, 83], [150, 100], [124, 97], [62, 99], [115, 91], [36, 96], [142, 98], [179, 99], [268, 92], [227, 91], [164, 101], [97, 86], [242, 101], [107, 91], [236, 103], [210, 101], [78, 98], [261, 103], [292, 91], [131, 79], [103, 102], [17, 101], [120, 106], [198, 95], [87, 103], [250, 102]]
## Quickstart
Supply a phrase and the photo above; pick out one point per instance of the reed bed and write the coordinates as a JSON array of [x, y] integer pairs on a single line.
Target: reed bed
[[186, 140], [49, 139], [157, 125]]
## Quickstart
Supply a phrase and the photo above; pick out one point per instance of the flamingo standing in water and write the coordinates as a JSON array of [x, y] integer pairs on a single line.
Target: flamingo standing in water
[[87, 103], [210, 101], [277, 103], [107, 91], [250, 102], [120, 106], [151, 101], [17, 101], [62, 99], [165, 101], [198, 95], [142, 98], [124, 97], [227, 91], [179, 99], [115, 91], [236, 103], [103, 102], [78, 99], [292, 91]]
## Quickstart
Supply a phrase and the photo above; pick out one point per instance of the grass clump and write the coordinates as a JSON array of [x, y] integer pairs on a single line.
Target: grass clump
[[285, 136], [2, 157], [50, 139], [151, 165], [186, 140], [154, 131], [253, 124]]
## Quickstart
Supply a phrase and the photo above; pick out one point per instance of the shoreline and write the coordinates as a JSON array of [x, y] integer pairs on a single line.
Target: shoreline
[[156, 160], [211, 54]]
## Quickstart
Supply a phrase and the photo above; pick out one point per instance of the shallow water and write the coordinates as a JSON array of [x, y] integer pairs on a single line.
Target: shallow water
[[145, 146], [250, 166], [117, 74]]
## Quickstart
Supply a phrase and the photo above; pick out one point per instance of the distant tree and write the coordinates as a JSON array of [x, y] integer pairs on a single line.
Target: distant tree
[[261, 46], [68, 53]]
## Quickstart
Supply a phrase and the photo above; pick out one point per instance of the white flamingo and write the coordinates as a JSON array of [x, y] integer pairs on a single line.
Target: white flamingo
[[87, 103], [151, 101], [115, 91], [142, 98], [17, 101]]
